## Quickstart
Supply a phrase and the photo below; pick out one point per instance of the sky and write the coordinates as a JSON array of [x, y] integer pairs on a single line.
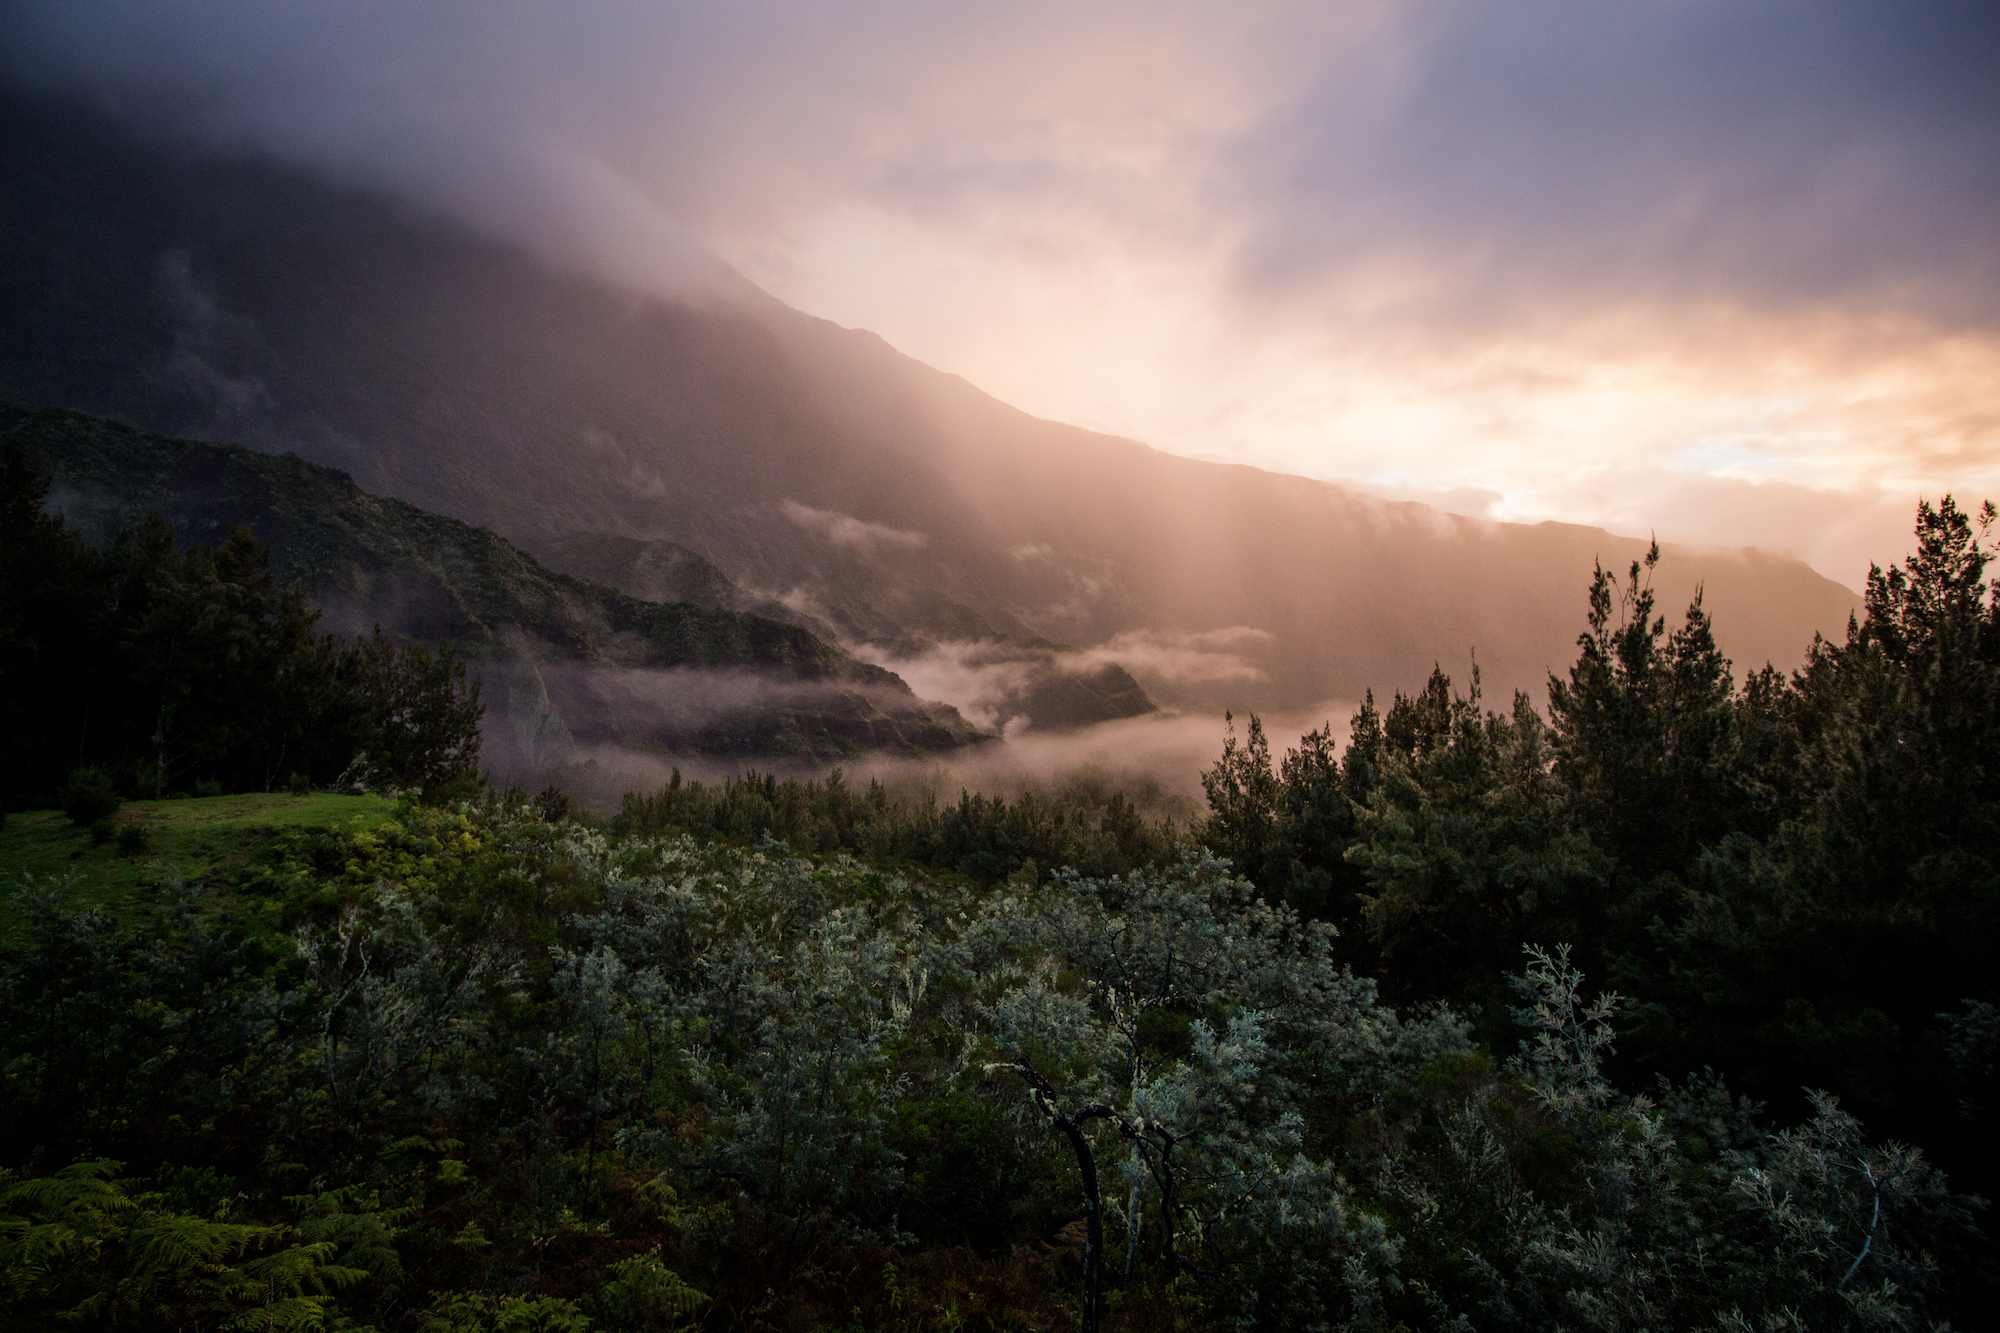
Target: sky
[[1723, 270]]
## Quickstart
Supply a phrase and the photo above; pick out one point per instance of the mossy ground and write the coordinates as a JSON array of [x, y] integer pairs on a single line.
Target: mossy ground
[[192, 838]]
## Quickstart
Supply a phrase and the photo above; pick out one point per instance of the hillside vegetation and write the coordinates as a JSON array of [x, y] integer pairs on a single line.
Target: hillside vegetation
[[569, 664], [488, 1066]]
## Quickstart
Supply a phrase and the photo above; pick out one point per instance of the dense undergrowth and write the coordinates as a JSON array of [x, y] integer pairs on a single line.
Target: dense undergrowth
[[472, 1069]]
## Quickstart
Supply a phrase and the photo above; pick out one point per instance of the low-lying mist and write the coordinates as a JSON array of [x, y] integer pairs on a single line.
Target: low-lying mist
[[993, 682], [545, 715], [1155, 762]]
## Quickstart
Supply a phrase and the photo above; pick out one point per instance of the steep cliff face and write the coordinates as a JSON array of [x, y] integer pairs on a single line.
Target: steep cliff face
[[830, 479], [570, 665]]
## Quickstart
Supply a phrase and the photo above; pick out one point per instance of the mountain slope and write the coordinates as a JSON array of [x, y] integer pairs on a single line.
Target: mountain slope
[[814, 465], [570, 665], [657, 571]]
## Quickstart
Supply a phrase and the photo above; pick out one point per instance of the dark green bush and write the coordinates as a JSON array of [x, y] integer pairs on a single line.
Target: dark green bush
[[553, 804], [143, 781], [135, 840], [90, 796]]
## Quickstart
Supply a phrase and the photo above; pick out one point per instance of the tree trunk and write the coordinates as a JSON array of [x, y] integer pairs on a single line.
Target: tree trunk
[[1165, 1176], [1132, 1234], [1093, 1224], [1086, 1165]]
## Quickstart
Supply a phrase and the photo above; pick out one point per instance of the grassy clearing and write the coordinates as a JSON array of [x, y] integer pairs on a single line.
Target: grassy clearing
[[193, 838]]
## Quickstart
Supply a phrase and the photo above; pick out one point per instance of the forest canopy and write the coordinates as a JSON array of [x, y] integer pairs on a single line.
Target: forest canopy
[[1795, 880]]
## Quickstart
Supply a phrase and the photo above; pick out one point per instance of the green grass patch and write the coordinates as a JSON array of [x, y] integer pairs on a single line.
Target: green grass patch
[[198, 839]]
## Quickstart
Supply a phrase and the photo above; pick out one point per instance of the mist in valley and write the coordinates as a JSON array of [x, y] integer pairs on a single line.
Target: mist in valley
[[1154, 762]]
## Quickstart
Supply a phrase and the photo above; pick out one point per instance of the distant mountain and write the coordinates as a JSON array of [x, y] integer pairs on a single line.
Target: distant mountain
[[570, 665], [830, 479]]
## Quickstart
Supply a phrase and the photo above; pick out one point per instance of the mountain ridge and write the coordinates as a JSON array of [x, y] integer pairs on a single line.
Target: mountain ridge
[[818, 468]]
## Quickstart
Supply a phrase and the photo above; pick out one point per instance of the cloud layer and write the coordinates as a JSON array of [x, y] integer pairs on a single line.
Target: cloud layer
[[849, 531], [1729, 271]]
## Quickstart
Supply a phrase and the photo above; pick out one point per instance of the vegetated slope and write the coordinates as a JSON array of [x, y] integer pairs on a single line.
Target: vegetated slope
[[894, 503], [568, 663], [657, 571]]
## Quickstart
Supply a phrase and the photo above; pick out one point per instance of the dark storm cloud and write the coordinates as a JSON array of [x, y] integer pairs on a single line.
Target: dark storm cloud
[[1782, 151]]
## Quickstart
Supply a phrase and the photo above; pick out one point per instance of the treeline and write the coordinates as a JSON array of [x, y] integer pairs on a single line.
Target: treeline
[[1795, 880], [475, 1071], [147, 669], [985, 838]]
